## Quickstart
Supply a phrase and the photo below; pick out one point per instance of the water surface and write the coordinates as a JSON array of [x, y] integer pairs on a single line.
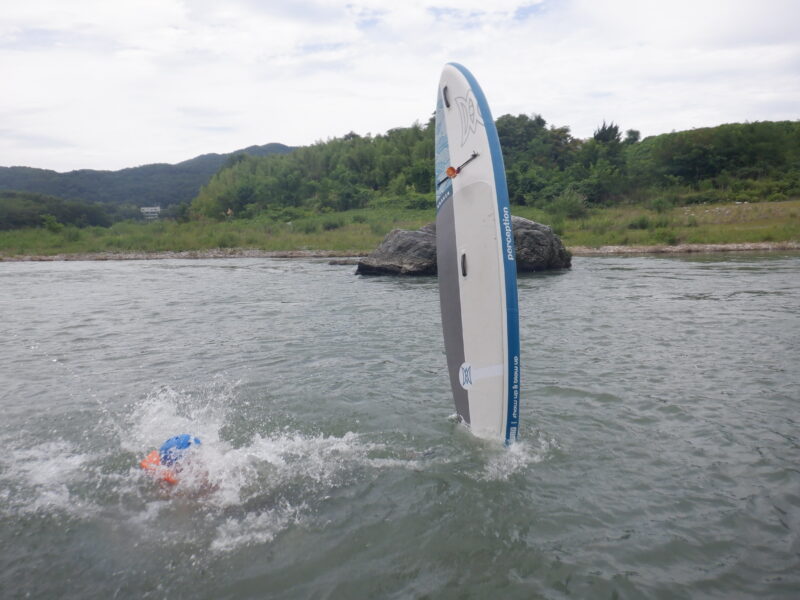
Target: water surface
[[659, 453]]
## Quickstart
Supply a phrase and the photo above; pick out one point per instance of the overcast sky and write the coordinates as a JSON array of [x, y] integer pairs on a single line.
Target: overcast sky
[[107, 84]]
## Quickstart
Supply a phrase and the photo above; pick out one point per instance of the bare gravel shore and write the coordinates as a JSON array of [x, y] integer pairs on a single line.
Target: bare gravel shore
[[684, 248]]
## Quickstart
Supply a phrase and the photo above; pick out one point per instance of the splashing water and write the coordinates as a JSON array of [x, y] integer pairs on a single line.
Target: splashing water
[[229, 493], [251, 490], [517, 458]]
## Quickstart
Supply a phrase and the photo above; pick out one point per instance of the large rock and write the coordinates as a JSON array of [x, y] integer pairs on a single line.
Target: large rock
[[538, 247], [405, 252]]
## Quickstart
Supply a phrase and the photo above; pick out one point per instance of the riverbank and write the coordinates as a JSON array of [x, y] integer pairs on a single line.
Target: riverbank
[[685, 248], [615, 230], [335, 254], [189, 254]]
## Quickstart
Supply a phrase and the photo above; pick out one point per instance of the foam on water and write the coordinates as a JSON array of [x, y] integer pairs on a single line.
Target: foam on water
[[516, 459], [255, 528], [498, 462], [39, 477], [230, 494]]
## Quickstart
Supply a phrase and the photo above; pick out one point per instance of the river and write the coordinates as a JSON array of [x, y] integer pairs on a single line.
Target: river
[[659, 452]]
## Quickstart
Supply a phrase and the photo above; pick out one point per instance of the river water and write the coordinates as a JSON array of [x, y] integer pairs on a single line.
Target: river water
[[659, 452]]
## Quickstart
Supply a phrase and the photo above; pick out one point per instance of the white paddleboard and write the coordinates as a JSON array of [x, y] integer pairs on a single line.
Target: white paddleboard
[[476, 260]]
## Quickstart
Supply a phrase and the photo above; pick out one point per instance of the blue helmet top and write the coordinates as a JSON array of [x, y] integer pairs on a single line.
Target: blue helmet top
[[174, 448]]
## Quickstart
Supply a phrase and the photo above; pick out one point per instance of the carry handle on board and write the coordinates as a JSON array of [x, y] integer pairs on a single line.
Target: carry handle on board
[[464, 264], [451, 172]]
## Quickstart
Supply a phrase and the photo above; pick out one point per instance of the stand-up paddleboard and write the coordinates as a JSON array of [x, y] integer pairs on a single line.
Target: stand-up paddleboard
[[476, 260]]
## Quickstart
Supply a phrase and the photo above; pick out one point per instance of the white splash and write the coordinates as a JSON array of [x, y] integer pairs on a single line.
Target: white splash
[[229, 494], [255, 528], [517, 458], [43, 474]]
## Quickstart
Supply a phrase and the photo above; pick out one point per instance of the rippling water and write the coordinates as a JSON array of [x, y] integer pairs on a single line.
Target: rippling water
[[659, 453]]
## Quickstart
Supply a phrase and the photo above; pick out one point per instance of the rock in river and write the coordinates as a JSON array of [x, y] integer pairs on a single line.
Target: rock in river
[[405, 252], [538, 247]]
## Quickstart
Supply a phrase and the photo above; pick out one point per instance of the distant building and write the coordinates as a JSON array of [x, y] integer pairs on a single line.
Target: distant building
[[151, 213]]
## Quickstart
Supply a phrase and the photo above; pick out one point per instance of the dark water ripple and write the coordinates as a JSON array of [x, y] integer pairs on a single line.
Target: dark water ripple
[[660, 453]]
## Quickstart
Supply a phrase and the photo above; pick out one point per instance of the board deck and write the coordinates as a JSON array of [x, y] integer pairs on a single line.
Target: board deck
[[476, 260]]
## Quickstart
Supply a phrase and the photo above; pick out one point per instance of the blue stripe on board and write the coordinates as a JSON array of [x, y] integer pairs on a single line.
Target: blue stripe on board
[[509, 258]]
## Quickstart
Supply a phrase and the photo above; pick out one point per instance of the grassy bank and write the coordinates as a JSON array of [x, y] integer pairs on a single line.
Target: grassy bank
[[354, 231], [360, 231], [727, 223]]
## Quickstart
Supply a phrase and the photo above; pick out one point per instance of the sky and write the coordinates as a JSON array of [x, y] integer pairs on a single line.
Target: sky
[[109, 84]]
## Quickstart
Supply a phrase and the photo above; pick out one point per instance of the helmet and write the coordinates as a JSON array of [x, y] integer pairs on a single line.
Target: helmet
[[176, 447]]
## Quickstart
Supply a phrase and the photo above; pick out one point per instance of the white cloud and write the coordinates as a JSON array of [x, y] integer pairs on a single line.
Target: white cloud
[[97, 84]]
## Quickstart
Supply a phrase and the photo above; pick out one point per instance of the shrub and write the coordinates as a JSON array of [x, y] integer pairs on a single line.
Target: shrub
[[642, 222], [705, 197], [666, 236], [557, 225], [416, 201], [51, 223], [661, 204], [379, 228], [570, 204], [332, 223], [226, 240], [307, 226], [661, 222], [71, 234]]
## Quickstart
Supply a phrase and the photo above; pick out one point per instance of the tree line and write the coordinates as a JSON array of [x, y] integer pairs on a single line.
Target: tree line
[[19, 210], [545, 166], [25, 209], [344, 173]]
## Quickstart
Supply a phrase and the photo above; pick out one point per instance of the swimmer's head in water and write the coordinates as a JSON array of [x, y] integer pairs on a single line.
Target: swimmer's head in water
[[176, 447]]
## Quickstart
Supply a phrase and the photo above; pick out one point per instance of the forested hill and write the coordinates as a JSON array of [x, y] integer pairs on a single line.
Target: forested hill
[[545, 166], [154, 184]]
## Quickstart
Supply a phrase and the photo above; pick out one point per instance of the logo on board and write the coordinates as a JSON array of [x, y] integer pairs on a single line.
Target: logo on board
[[469, 114], [465, 376], [509, 234]]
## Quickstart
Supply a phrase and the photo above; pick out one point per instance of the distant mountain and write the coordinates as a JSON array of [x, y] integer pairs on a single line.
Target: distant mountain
[[155, 184]]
